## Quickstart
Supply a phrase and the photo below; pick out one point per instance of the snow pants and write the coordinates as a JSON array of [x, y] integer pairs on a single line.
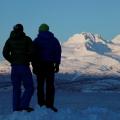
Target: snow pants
[[45, 94], [21, 75]]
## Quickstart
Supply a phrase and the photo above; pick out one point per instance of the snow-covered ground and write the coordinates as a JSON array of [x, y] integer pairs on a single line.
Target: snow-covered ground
[[72, 105], [87, 86]]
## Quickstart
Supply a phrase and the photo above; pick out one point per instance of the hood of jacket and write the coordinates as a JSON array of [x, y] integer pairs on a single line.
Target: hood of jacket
[[16, 35]]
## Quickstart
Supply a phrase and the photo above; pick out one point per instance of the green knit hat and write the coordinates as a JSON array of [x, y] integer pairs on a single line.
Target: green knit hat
[[43, 27]]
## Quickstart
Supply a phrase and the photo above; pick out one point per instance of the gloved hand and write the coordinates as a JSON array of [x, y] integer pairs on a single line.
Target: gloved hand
[[56, 67]]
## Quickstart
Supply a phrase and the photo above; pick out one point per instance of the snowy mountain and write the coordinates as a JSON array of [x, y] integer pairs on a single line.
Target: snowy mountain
[[90, 54]]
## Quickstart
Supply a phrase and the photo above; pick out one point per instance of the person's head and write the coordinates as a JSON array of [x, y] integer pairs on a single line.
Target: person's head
[[43, 27], [18, 27]]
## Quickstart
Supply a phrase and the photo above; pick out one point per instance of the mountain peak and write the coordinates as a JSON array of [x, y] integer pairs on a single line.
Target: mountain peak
[[89, 42], [84, 37]]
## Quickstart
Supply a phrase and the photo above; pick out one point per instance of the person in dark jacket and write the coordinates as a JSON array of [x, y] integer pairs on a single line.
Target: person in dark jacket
[[46, 61], [18, 50]]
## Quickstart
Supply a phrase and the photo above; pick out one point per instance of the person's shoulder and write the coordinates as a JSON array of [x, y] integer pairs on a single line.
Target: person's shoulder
[[51, 34], [56, 39], [7, 41], [28, 38]]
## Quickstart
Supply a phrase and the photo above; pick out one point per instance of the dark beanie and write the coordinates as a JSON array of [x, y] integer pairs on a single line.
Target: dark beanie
[[18, 27], [43, 27]]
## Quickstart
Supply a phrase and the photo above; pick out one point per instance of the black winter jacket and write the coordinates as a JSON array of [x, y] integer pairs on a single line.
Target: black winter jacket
[[18, 48]]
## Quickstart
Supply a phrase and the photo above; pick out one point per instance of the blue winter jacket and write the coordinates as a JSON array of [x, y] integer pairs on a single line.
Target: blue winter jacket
[[47, 48]]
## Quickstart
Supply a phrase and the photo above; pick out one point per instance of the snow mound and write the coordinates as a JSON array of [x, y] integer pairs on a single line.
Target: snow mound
[[91, 113]]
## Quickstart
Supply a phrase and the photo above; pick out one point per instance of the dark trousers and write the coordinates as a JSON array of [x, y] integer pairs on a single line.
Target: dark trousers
[[45, 94], [21, 75]]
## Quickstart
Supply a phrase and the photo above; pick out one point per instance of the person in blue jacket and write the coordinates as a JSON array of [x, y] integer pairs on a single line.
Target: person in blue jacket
[[46, 61]]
